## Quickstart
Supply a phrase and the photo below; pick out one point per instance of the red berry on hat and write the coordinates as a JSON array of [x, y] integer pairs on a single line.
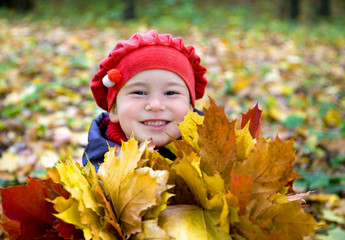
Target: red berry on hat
[[114, 75]]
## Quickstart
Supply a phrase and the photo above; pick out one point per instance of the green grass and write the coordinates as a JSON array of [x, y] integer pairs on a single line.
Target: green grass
[[177, 15]]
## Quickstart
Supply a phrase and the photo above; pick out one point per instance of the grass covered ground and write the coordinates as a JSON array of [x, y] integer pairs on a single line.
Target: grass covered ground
[[294, 70]]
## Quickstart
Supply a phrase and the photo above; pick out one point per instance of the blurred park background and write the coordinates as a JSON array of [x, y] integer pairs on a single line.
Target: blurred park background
[[286, 55]]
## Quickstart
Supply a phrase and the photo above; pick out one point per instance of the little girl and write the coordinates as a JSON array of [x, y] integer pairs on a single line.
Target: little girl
[[146, 85]]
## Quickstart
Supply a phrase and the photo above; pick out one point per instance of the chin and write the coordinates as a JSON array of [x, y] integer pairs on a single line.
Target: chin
[[161, 142]]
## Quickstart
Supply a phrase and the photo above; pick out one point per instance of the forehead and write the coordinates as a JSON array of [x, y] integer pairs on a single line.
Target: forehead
[[156, 76]]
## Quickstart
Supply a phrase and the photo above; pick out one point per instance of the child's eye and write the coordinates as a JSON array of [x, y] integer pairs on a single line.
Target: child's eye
[[138, 92], [169, 93]]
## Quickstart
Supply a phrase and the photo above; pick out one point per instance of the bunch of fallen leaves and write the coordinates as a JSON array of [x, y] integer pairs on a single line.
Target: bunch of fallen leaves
[[225, 183]]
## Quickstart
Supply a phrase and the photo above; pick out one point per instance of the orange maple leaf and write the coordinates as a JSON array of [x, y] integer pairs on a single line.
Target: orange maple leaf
[[217, 143], [241, 187]]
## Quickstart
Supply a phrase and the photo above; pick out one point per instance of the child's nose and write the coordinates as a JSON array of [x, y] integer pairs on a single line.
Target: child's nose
[[155, 104]]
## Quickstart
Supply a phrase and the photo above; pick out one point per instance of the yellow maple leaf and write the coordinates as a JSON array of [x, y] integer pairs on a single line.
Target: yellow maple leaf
[[171, 146], [198, 185], [188, 129], [68, 211], [86, 208], [109, 216], [151, 230], [131, 190], [244, 142], [225, 216], [191, 222], [74, 182]]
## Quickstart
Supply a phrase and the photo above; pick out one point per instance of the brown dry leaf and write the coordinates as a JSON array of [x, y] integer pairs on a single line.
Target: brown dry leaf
[[270, 164], [217, 142], [288, 218]]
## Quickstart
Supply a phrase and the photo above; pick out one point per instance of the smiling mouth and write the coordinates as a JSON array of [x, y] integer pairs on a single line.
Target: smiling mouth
[[155, 123]]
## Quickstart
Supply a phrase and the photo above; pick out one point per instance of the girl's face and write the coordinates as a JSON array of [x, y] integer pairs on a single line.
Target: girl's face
[[150, 104]]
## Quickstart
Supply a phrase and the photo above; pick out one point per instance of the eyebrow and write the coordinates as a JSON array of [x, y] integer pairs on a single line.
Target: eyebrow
[[143, 84], [134, 84], [179, 84]]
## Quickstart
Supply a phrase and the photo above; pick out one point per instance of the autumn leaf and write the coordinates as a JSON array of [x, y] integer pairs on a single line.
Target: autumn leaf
[[246, 229], [68, 231], [109, 216], [68, 211], [217, 142], [258, 179], [154, 159], [270, 164], [244, 143], [151, 230], [289, 219], [241, 187], [191, 222], [188, 129], [86, 208], [12, 228], [131, 190], [182, 148], [197, 185], [28, 210], [153, 212], [254, 117]]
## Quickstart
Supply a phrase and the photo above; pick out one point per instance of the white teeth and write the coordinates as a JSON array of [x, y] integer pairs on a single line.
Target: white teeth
[[155, 123]]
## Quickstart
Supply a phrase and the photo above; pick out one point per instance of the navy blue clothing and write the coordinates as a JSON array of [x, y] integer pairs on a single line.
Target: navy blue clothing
[[98, 143]]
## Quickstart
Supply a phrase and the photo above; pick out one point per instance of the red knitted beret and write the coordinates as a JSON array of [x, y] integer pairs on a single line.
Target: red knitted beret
[[143, 52]]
